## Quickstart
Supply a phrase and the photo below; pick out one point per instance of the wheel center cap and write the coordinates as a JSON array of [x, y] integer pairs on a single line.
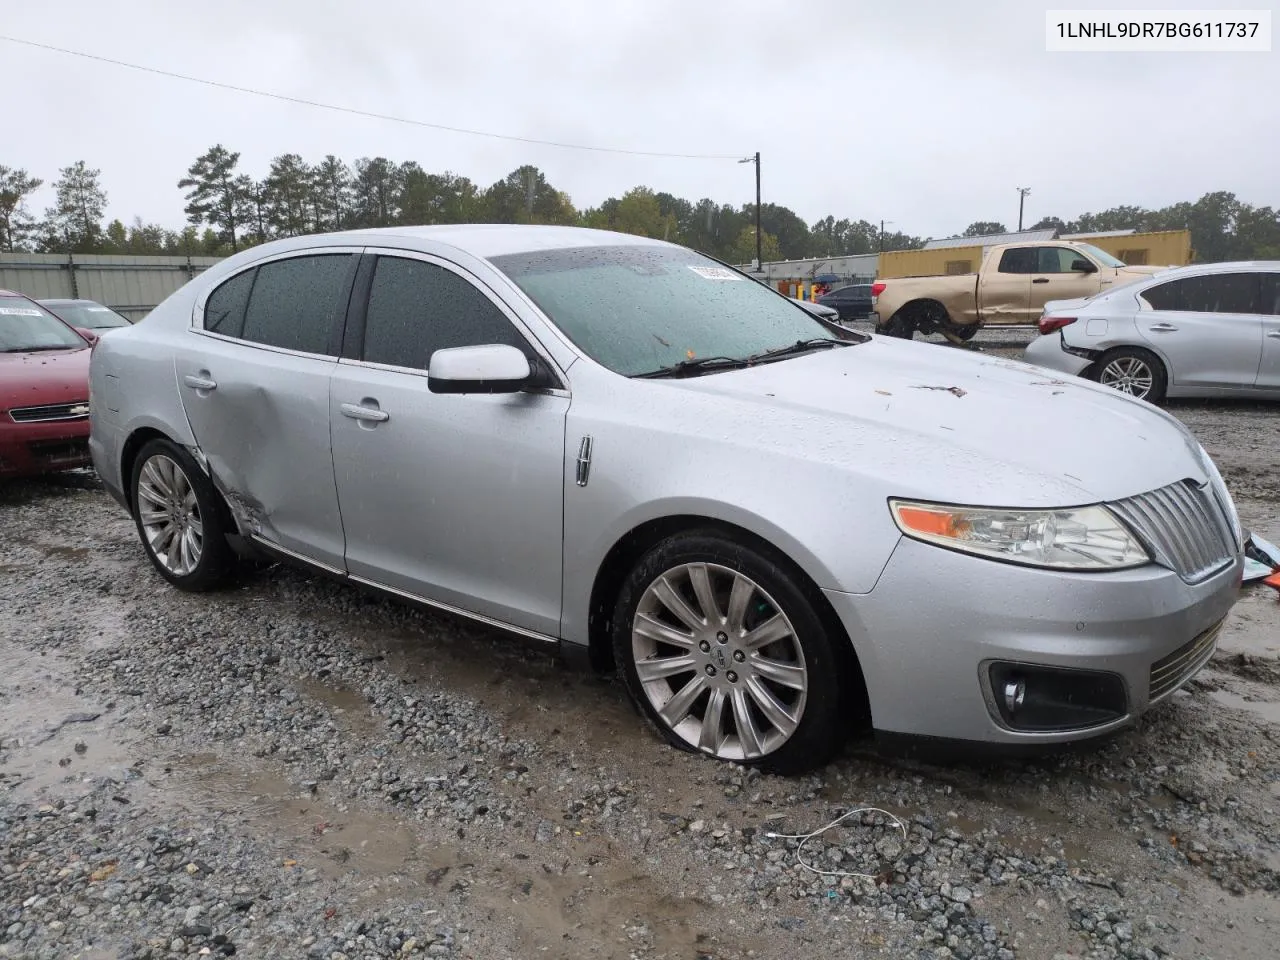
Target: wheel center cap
[[719, 657]]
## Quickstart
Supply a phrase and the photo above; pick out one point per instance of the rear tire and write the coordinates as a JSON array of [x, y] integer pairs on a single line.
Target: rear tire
[[180, 517], [723, 653], [899, 326], [1134, 371]]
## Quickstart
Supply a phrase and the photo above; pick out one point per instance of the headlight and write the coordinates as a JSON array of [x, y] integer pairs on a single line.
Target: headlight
[[1075, 538], [1224, 496]]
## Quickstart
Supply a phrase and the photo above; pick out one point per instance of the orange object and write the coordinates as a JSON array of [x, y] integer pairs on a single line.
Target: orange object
[[928, 521], [1273, 580]]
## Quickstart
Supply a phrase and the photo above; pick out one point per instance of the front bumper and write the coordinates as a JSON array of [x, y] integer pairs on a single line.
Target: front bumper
[[937, 618], [31, 449], [1046, 351]]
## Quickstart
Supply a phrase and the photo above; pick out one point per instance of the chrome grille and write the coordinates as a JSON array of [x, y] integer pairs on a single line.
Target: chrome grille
[[56, 411], [1183, 526], [1171, 672]]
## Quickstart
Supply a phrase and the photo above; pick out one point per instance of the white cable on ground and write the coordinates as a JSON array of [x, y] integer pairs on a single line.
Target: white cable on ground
[[806, 837]]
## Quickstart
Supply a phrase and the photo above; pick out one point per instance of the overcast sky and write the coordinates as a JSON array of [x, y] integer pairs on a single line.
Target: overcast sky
[[927, 114]]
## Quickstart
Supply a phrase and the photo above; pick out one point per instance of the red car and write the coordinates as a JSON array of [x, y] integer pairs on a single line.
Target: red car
[[44, 390]]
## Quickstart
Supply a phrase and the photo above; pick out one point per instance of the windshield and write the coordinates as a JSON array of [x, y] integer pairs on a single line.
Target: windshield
[[639, 308], [92, 316], [1106, 259], [25, 326]]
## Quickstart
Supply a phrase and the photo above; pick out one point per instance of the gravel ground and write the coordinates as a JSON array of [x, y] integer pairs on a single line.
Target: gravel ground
[[291, 768]]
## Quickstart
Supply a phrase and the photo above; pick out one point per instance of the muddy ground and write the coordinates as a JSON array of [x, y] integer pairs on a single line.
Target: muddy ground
[[289, 768]]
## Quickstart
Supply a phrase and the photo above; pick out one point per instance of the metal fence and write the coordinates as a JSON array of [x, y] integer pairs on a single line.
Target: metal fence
[[131, 286]]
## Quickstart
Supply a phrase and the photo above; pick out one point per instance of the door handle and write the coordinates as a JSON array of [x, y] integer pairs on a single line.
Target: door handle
[[1040, 280], [1163, 328], [200, 383], [358, 411], [1274, 334]]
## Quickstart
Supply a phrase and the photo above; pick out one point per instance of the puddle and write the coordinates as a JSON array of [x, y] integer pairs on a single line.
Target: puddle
[[1266, 710], [340, 698]]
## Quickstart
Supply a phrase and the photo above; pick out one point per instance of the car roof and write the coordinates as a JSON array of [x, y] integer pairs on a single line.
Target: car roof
[[12, 293], [67, 302], [482, 240], [1234, 266]]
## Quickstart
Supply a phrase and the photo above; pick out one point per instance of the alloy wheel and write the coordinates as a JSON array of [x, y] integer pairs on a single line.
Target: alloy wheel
[[719, 661], [169, 515], [1130, 375]]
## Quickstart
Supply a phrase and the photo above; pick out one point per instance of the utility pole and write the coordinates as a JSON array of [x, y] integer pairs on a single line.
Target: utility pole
[[759, 236], [1022, 196], [882, 223]]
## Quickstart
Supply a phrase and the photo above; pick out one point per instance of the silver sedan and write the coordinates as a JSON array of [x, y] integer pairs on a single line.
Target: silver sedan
[[1211, 330], [775, 529]]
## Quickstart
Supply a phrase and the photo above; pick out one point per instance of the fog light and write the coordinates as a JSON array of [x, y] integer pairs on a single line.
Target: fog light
[[1015, 691], [1026, 696]]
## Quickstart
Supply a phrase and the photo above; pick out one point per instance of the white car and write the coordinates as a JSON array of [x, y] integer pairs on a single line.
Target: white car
[[1207, 330]]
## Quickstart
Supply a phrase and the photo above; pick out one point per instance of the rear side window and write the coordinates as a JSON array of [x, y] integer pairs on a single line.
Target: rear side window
[[295, 303], [224, 311], [1018, 260], [417, 308], [1215, 293]]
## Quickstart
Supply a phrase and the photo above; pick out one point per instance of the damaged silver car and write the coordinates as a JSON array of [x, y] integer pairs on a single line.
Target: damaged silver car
[[776, 530]]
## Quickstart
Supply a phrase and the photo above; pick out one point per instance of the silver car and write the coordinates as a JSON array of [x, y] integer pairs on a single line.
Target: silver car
[[777, 531], [1211, 330]]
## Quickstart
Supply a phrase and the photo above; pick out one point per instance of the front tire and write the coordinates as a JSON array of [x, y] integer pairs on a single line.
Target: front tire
[[722, 651], [899, 326], [1134, 371], [179, 517]]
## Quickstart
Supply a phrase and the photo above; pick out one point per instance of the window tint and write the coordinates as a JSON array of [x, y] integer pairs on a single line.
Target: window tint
[[417, 308], [295, 302], [1018, 260], [1057, 259], [224, 310], [1215, 293]]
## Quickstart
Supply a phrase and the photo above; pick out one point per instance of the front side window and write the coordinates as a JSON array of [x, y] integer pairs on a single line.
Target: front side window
[[1271, 294], [294, 303], [26, 326], [1018, 260], [1057, 259], [637, 308], [417, 308], [1213, 293]]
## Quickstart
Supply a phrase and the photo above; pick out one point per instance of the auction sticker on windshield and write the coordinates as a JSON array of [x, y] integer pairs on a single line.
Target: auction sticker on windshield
[[20, 312], [714, 273]]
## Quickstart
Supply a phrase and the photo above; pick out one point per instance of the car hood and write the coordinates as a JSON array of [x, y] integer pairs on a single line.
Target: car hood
[[946, 424], [36, 379]]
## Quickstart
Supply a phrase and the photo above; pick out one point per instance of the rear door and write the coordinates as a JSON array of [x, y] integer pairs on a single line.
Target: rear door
[[1269, 369], [1055, 277], [1004, 293], [1208, 328], [254, 379]]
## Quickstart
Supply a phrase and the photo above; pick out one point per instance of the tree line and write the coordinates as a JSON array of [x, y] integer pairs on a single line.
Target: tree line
[[228, 210]]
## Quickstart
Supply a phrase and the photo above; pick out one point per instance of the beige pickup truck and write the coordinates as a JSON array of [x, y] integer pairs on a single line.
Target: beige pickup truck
[[1012, 286]]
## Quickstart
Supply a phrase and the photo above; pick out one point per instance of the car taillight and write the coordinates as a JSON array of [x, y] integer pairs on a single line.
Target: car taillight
[[877, 289], [1050, 324]]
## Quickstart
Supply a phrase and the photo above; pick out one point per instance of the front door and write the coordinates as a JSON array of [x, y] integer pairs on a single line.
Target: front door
[[1054, 278], [253, 375], [456, 499]]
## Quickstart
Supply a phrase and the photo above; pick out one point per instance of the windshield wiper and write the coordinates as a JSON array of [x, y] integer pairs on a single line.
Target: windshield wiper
[[800, 346], [60, 346], [690, 368]]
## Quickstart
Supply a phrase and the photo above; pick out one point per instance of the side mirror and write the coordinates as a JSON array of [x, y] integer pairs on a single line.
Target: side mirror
[[87, 334], [1084, 266], [491, 368]]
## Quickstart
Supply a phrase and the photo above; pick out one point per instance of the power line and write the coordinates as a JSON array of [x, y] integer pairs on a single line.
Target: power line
[[367, 113]]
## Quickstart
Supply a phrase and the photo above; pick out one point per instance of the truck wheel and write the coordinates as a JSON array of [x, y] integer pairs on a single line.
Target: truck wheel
[[899, 326]]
